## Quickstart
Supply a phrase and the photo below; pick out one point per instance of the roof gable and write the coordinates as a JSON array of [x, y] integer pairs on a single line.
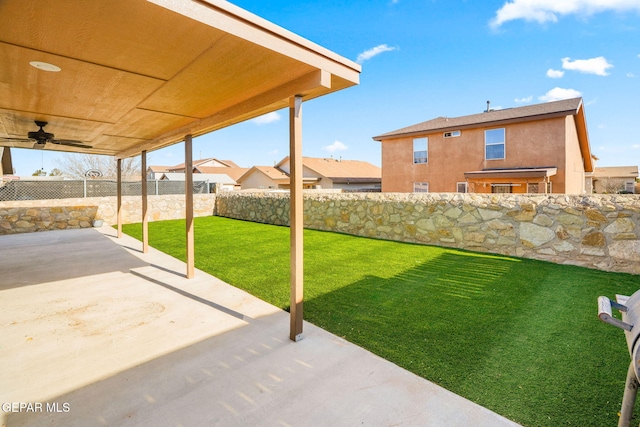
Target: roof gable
[[271, 172], [336, 168]]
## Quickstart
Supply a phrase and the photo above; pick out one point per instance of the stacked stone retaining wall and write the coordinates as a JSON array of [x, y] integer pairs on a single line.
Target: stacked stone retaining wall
[[596, 231], [55, 214]]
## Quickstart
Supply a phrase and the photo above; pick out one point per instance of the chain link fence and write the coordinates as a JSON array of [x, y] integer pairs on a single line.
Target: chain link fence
[[41, 190]]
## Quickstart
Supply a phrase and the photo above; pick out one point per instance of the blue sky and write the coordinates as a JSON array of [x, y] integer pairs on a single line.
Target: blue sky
[[427, 58]]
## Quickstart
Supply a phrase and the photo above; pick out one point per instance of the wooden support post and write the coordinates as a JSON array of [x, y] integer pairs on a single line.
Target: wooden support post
[[188, 182], [145, 219], [296, 218], [119, 197]]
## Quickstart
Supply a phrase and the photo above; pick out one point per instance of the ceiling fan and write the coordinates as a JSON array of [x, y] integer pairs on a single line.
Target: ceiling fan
[[41, 138]]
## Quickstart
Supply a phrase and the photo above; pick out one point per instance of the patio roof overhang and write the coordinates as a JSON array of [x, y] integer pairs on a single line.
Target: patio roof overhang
[[130, 76], [512, 173], [138, 75]]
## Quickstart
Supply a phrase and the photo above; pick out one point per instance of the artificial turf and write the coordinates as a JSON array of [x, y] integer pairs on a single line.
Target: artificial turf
[[518, 336]]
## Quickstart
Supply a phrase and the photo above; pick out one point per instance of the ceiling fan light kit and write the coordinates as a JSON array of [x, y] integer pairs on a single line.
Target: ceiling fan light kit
[[45, 66]]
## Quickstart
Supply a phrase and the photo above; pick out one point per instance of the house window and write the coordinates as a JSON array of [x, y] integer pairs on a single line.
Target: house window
[[629, 186], [501, 188], [462, 187], [420, 148], [420, 187], [494, 144], [452, 134]]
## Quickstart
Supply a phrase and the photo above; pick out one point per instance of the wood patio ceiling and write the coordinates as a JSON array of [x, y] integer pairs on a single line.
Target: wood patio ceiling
[[140, 75]]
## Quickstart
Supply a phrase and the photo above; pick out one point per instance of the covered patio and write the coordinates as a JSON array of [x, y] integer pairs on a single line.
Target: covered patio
[[517, 180], [99, 333], [126, 77]]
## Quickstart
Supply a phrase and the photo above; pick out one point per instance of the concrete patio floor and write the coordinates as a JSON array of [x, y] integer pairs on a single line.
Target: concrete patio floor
[[97, 333]]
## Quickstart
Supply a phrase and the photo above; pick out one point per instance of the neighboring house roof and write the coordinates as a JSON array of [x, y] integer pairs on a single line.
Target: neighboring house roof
[[338, 169], [535, 112], [228, 163], [234, 172], [201, 162], [219, 178], [342, 169], [616, 172], [172, 176], [158, 169], [270, 171]]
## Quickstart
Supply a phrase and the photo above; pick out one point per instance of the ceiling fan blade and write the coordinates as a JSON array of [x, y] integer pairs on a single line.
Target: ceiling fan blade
[[70, 143]]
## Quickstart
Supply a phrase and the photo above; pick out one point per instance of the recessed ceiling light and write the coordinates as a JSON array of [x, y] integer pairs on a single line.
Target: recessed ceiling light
[[44, 66]]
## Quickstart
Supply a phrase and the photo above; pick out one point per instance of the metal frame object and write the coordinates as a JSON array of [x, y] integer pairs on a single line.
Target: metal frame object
[[629, 307]]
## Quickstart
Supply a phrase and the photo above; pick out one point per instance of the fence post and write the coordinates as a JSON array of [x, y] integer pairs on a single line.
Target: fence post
[[85, 188], [157, 187]]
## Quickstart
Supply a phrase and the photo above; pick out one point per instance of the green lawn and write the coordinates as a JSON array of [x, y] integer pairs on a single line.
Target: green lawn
[[518, 336]]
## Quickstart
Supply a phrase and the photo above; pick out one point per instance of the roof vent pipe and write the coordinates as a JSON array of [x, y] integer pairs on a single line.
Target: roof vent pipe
[[488, 106]]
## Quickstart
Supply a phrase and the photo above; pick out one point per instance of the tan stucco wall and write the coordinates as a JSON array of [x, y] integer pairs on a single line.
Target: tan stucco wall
[[530, 144], [258, 180], [574, 177]]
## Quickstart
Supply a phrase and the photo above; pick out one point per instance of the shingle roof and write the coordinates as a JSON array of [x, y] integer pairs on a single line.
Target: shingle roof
[[272, 172], [338, 168], [616, 172], [234, 172], [334, 168], [159, 168], [564, 107], [197, 163], [229, 163]]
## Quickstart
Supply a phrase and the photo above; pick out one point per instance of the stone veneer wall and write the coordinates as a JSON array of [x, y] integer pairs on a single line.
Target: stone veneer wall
[[20, 219], [596, 231], [41, 215]]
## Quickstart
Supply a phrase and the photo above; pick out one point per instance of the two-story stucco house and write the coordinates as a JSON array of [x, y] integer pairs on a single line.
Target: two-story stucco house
[[542, 148]]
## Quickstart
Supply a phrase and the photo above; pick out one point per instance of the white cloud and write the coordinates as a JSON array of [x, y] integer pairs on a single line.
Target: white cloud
[[631, 75], [267, 118], [598, 66], [635, 146], [374, 51], [336, 146], [554, 74], [558, 93], [524, 100], [542, 11]]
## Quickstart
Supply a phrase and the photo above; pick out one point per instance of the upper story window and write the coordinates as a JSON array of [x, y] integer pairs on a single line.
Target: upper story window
[[452, 134], [494, 144], [420, 150]]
